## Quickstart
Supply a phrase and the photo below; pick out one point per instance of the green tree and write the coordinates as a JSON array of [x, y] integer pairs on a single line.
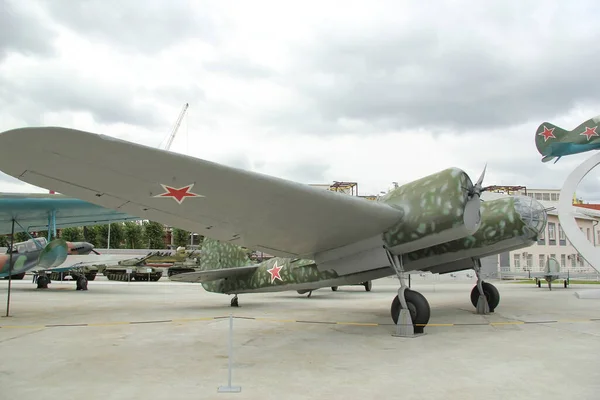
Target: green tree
[[74, 234], [133, 235], [181, 237], [4, 240], [90, 235], [117, 235], [154, 235], [21, 237]]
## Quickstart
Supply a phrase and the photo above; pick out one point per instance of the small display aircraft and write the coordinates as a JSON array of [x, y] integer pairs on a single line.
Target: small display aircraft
[[551, 273], [28, 212], [437, 223], [554, 142]]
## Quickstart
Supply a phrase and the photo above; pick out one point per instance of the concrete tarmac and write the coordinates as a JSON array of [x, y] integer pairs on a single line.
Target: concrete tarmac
[[537, 345]]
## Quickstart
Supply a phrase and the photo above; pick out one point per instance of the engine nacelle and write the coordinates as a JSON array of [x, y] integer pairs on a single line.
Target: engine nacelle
[[437, 209], [506, 224], [54, 254]]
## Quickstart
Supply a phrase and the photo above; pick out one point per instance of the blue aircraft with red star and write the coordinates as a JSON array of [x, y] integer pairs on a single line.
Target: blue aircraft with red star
[[553, 142]]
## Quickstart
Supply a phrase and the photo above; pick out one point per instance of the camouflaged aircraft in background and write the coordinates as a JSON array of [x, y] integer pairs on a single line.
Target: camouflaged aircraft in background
[[554, 142], [319, 238]]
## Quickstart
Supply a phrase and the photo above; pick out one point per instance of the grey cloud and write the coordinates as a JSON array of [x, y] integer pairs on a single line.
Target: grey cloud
[[22, 31], [236, 160], [448, 74], [145, 27], [51, 89], [306, 172], [240, 68]]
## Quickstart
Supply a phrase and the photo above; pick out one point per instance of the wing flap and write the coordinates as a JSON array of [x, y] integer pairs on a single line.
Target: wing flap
[[257, 211], [213, 274]]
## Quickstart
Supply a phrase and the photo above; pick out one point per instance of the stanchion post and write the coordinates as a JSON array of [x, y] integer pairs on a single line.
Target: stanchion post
[[229, 388]]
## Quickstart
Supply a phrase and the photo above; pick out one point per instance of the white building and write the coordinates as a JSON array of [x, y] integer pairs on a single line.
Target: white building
[[553, 242]]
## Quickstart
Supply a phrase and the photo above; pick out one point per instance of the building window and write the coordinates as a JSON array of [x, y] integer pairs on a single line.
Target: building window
[[580, 259], [541, 262], [573, 261], [551, 233], [588, 235], [517, 261], [538, 196], [553, 196], [542, 237], [529, 262], [563, 262], [562, 238]]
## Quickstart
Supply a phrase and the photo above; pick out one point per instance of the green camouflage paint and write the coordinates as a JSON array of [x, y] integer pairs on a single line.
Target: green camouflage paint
[[431, 205], [553, 142], [501, 220], [284, 271]]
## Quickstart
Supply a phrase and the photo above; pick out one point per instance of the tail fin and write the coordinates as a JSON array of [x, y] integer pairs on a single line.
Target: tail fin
[[219, 255], [545, 135]]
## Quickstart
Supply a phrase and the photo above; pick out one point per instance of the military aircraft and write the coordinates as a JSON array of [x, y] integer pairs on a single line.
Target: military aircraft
[[554, 142], [437, 223], [28, 212], [551, 273]]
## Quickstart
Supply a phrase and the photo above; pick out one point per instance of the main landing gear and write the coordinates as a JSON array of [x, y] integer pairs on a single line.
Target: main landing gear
[[82, 282], [234, 301], [484, 296], [410, 309]]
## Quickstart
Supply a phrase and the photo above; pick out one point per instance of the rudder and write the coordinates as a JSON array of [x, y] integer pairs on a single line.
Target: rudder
[[545, 135], [218, 255]]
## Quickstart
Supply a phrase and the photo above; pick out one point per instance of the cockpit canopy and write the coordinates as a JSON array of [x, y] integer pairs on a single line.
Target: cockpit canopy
[[29, 245]]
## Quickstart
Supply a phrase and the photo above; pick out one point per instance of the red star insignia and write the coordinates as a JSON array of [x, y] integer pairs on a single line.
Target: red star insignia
[[275, 272], [589, 132], [547, 133], [178, 194]]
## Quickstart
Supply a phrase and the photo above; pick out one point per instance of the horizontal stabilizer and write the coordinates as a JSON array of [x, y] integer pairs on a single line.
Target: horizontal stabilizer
[[213, 274]]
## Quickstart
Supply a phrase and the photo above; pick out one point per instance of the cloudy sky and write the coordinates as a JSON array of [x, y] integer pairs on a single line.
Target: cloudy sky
[[313, 91]]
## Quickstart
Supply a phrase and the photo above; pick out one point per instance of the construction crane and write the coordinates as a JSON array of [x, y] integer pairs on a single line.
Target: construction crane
[[176, 127]]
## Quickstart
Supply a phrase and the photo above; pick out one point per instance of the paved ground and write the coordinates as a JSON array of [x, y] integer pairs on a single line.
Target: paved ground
[[496, 357]]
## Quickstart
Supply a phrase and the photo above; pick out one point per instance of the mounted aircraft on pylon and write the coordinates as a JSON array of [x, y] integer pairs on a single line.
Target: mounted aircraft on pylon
[[554, 142], [29, 212], [436, 223]]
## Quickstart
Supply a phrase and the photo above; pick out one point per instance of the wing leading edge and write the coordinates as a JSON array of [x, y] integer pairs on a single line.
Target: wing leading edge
[[32, 212], [245, 208]]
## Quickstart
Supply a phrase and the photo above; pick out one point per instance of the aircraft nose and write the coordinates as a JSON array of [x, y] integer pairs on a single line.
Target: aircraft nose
[[532, 212], [85, 248]]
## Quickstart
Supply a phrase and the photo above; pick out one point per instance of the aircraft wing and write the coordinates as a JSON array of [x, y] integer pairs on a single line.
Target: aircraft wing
[[213, 274], [261, 212], [76, 261], [32, 212]]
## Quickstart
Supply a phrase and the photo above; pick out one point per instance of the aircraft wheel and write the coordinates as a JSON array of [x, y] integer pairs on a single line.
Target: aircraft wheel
[[234, 301], [42, 282], [368, 286], [491, 293], [417, 306], [334, 288]]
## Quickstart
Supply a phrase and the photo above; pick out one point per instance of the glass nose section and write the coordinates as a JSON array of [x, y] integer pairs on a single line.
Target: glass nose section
[[532, 212]]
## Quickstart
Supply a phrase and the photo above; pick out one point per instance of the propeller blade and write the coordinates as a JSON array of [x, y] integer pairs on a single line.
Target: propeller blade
[[480, 180]]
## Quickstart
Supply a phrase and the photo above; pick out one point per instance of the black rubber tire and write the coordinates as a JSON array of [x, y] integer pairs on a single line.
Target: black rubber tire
[[334, 288], [491, 293], [566, 284], [539, 283], [418, 306], [368, 286]]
